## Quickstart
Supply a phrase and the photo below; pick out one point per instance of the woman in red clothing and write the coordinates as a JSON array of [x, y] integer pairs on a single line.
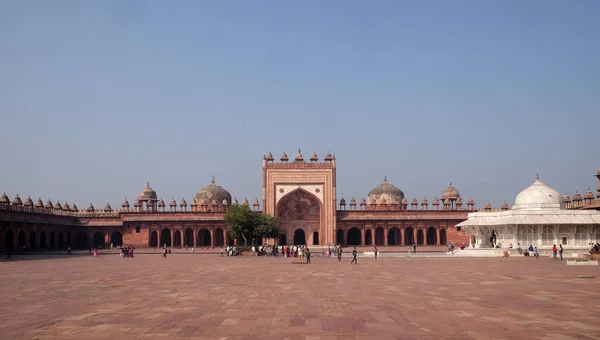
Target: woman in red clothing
[[554, 250]]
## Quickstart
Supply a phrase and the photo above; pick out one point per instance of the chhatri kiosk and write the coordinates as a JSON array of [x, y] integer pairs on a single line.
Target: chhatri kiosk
[[538, 218]]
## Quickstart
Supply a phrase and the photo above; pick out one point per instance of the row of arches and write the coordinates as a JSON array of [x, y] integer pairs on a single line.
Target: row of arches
[[394, 237], [57, 240], [186, 238]]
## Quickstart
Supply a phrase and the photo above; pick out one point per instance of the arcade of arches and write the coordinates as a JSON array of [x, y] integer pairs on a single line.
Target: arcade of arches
[[189, 237], [391, 236]]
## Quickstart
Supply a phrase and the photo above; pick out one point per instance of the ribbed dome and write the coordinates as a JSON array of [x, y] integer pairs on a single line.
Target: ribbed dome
[[58, 206], [577, 197], [4, 199], [66, 207], [161, 203], [450, 192], [505, 206], [29, 202], [538, 196], [173, 203], [147, 193], [255, 203], [566, 199], [352, 201], [125, 204], [589, 195], [17, 200], [39, 203], [386, 191], [213, 192], [74, 208]]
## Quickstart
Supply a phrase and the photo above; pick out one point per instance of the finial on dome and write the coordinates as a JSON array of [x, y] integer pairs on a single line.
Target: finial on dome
[[537, 176], [148, 184], [385, 178], [213, 180], [450, 184]]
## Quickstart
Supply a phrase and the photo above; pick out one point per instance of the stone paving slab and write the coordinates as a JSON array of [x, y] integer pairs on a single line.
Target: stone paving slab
[[200, 297]]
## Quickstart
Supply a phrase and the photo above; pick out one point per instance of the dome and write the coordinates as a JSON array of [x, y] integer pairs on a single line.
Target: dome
[[29, 202], [58, 206], [161, 203], [4, 199], [256, 203], [386, 191], [577, 197], [213, 192], [450, 192], [147, 194], [74, 208], [38, 203], [66, 207], [17, 200], [173, 203], [125, 204], [538, 196], [90, 208], [589, 195], [352, 201]]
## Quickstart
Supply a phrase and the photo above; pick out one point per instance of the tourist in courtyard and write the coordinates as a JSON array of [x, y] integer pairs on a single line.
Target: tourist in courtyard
[[530, 249], [376, 252], [8, 257], [164, 253], [221, 251], [554, 252], [414, 248], [193, 250], [560, 251], [536, 253], [69, 250], [307, 254], [95, 252], [354, 256], [339, 254], [131, 248]]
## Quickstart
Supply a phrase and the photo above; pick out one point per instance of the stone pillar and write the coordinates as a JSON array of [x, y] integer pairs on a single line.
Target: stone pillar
[[107, 239], [212, 236], [363, 233], [437, 236], [402, 236], [385, 235], [195, 230]]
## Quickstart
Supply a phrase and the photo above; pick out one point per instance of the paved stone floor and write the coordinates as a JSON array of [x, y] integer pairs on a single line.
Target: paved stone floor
[[211, 297]]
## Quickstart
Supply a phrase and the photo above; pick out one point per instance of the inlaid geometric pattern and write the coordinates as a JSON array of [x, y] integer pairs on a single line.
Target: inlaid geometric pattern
[[211, 297]]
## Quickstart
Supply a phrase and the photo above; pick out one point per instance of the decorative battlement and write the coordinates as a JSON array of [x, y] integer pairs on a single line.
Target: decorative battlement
[[299, 162]]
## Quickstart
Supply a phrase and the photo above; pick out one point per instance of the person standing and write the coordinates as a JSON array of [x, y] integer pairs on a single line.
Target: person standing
[[194, 251], [376, 252], [354, 256], [164, 252], [307, 254], [339, 253], [554, 251], [95, 252], [414, 248], [560, 251]]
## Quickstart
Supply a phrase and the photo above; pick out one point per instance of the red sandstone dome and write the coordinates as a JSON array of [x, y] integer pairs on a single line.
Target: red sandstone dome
[[147, 194], [28, 202], [74, 208], [451, 193], [404, 202], [342, 201], [414, 201], [505, 206], [328, 157], [459, 202], [108, 208], [183, 203], [436, 201], [566, 199], [125, 204], [235, 202], [363, 201], [589, 195], [470, 202], [284, 157], [39, 203], [161, 203], [386, 190], [488, 206], [17, 200], [269, 157], [256, 203], [299, 157], [173, 203], [212, 192], [424, 202], [90, 208], [66, 207], [314, 157], [352, 201], [577, 197], [4, 199], [48, 204], [58, 206], [136, 204], [246, 203], [225, 202]]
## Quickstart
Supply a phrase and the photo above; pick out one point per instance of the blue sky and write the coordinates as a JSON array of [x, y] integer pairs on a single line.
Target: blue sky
[[98, 97]]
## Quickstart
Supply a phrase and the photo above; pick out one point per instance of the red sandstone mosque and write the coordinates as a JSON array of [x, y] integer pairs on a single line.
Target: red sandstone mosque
[[301, 192]]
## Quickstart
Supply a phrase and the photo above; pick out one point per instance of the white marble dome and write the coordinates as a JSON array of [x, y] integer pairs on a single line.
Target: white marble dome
[[538, 196]]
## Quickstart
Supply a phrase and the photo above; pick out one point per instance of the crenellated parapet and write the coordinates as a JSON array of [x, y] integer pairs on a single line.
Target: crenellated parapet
[[299, 162]]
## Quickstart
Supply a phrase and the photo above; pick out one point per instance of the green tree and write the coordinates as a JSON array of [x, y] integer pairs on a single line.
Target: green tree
[[243, 223]]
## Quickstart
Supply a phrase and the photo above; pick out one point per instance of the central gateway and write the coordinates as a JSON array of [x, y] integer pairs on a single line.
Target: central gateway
[[303, 195]]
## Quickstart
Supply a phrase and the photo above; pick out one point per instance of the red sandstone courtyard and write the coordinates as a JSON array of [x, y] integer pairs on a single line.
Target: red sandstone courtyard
[[210, 297]]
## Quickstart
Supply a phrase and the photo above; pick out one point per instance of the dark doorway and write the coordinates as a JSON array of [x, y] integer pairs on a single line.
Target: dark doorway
[[52, 240], [316, 238], [443, 240], [154, 239], [299, 237], [116, 239], [420, 237], [98, 240], [219, 237], [165, 237], [32, 240], [409, 236], [339, 237], [394, 237], [204, 238], [354, 237], [177, 239], [368, 237], [188, 240], [69, 239], [379, 236], [61, 240], [9, 240], [21, 239], [81, 240], [283, 240], [43, 240], [431, 236]]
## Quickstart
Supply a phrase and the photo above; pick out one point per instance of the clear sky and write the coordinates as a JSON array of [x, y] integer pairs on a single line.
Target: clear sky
[[98, 97]]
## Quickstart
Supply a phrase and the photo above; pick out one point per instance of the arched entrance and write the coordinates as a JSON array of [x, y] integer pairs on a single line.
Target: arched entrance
[[409, 236], [283, 239], [116, 239], [443, 237], [379, 236], [177, 238], [9, 240], [394, 237], [154, 239], [339, 237], [368, 237], [315, 238], [32, 240], [81, 240], [61, 240], [299, 237], [420, 237], [431, 236], [219, 237], [42, 240], [21, 239], [188, 239], [204, 238], [299, 210], [354, 237], [98, 240], [165, 237], [52, 240]]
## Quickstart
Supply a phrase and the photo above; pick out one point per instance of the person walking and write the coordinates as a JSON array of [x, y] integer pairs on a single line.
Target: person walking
[[339, 253], [307, 254], [414, 248], [95, 252], [376, 252], [560, 251], [194, 251], [164, 253], [554, 251], [354, 256]]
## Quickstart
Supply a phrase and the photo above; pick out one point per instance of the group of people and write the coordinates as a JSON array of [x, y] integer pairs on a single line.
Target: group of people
[[594, 247], [126, 251]]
